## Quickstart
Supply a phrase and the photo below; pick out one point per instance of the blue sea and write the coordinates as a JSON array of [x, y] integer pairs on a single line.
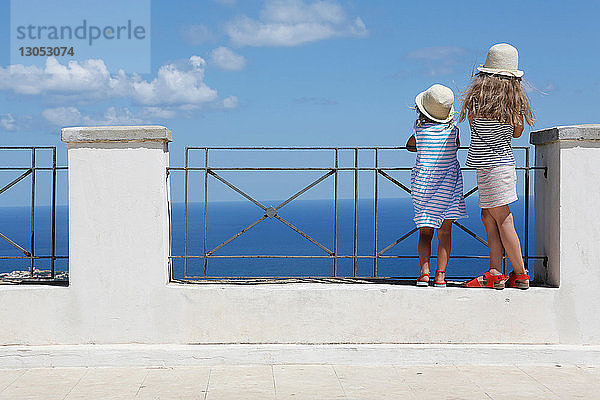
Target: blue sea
[[272, 237]]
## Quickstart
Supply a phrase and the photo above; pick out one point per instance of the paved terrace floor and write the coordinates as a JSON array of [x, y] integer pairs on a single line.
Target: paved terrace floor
[[314, 382]]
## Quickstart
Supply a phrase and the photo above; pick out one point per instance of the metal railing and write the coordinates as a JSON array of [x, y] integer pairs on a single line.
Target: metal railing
[[28, 251], [271, 212]]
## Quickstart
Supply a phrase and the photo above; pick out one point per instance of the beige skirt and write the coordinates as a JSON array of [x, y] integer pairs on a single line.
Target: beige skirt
[[497, 186]]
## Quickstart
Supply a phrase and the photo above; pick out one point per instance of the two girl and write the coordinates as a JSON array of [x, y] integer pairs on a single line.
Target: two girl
[[497, 108]]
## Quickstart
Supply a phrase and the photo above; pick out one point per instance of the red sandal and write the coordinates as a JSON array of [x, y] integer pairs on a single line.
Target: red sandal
[[439, 284], [520, 281], [489, 280], [422, 283]]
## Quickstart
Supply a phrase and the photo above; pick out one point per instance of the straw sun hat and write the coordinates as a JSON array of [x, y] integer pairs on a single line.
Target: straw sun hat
[[436, 103], [502, 59]]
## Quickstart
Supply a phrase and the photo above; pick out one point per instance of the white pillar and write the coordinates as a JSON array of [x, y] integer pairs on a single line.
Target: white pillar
[[567, 225], [118, 227]]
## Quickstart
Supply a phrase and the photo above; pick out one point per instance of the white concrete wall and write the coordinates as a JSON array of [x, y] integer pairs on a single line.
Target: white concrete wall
[[119, 292], [568, 226]]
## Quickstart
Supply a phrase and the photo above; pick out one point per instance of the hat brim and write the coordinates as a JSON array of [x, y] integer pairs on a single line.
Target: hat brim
[[419, 102], [505, 72]]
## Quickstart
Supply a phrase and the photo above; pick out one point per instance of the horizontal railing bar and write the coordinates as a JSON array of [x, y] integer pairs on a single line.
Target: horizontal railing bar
[[26, 148], [313, 168], [35, 168], [30, 257], [320, 148], [342, 256]]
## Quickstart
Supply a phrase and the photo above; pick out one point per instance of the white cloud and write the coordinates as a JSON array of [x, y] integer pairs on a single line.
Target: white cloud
[[196, 35], [65, 116], [12, 123], [69, 116], [176, 90], [153, 113], [441, 60], [91, 79], [230, 102], [88, 76], [8, 122], [294, 22], [224, 58], [173, 86]]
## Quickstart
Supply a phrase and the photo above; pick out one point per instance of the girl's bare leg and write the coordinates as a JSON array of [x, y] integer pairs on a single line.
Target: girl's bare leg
[[494, 241], [444, 233], [510, 239], [424, 247]]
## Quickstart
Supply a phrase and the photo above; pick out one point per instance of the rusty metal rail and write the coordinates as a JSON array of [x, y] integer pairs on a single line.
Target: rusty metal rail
[[28, 250], [271, 212]]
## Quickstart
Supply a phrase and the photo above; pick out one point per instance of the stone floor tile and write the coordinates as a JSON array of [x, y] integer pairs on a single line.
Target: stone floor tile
[[372, 382], [566, 381], [177, 383], [506, 383], [591, 370], [439, 382], [109, 384], [8, 376], [308, 382], [43, 384], [246, 382]]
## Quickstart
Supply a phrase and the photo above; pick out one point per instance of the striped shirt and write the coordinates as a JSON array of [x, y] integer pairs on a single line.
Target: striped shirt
[[490, 144], [436, 145], [436, 180]]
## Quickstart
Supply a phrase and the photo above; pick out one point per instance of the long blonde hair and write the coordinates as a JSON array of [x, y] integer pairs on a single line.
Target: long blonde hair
[[497, 97]]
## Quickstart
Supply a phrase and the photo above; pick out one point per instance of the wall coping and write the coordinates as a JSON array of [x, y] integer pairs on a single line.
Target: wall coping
[[95, 134], [569, 132]]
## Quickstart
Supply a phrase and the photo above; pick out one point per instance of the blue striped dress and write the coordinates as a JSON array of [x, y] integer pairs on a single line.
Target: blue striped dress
[[436, 179]]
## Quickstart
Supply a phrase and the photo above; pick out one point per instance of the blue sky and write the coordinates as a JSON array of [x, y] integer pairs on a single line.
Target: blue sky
[[304, 72]]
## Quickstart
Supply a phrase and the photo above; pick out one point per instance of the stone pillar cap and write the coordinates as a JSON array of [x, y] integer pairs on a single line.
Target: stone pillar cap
[[569, 132], [95, 134]]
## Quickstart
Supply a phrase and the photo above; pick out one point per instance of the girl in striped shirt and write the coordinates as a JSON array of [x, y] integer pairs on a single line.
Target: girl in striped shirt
[[497, 108], [436, 180]]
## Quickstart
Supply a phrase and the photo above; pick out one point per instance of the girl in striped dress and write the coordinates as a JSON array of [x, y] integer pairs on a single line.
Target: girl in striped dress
[[496, 106], [436, 180]]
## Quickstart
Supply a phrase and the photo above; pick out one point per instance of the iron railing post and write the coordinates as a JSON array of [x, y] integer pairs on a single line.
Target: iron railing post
[[335, 205], [32, 238], [53, 212], [205, 207], [355, 211], [185, 215], [375, 253]]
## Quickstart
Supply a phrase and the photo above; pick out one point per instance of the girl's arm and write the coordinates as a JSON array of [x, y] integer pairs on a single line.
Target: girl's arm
[[519, 129], [411, 144]]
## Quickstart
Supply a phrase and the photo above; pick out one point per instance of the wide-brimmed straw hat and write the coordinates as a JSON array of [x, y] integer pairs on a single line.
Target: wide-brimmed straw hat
[[502, 59], [436, 103]]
